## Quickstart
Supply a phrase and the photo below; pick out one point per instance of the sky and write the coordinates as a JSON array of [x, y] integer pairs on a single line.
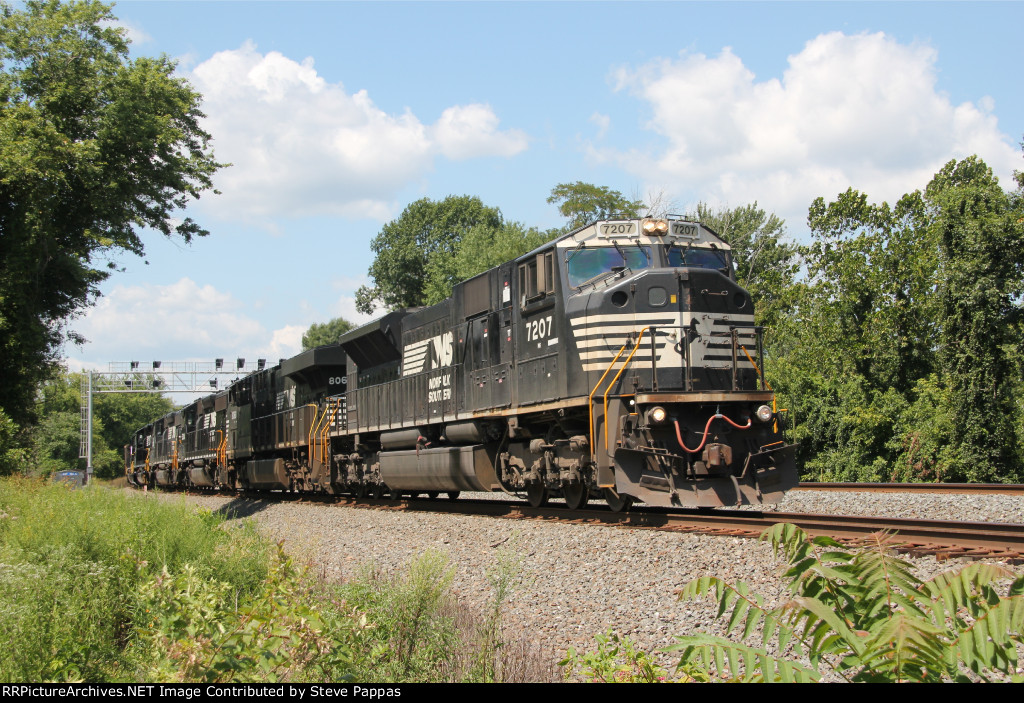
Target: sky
[[337, 115]]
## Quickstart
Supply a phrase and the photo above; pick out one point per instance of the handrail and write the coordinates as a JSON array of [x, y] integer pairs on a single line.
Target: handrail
[[316, 408], [764, 380], [220, 448], [590, 398], [625, 365], [327, 427]]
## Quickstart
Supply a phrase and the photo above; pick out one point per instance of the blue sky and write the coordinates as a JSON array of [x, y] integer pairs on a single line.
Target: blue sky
[[336, 115]]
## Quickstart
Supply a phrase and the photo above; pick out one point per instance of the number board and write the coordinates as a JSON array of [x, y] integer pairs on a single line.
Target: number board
[[616, 229], [685, 229]]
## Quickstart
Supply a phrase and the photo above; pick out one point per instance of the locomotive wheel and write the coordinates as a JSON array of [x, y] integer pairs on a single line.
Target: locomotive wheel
[[394, 494], [378, 490], [454, 495], [433, 494], [359, 490], [618, 502], [576, 495], [537, 494]]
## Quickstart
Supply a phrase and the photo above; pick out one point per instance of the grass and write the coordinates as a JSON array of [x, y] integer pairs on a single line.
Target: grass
[[100, 585]]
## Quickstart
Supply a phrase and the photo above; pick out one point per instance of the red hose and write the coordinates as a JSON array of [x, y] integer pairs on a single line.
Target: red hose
[[707, 427]]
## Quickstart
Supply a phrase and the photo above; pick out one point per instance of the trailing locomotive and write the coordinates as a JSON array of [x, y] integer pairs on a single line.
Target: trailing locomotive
[[619, 360]]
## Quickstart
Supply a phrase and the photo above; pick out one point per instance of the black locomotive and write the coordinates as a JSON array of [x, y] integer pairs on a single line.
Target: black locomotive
[[621, 360]]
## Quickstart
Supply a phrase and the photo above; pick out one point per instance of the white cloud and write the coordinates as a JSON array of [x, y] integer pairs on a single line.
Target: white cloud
[[285, 342], [468, 131], [603, 122], [181, 321], [861, 111], [300, 145]]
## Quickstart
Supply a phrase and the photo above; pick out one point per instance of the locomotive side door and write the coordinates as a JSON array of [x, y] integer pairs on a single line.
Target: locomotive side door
[[538, 317]]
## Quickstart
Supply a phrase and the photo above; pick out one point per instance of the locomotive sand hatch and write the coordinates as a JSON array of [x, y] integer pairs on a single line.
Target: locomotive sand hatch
[[619, 360]]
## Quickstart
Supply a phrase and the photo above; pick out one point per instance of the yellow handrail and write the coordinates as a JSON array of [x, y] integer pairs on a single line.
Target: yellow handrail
[[311, 423], [590, 398], [625, 364], [216, 450]]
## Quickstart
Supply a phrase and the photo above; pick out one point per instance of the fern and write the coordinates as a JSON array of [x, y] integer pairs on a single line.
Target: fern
[[864, 614]]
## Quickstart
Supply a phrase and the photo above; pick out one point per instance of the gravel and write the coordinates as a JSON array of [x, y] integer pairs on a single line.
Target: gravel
[[575, 581]]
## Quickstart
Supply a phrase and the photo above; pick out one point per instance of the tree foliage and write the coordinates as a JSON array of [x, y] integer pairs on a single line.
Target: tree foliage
[[319, 334], [864, 615], [433, 245], [51, 444], [582, 203], [94, 147], [415, 253], [484, 248], [897, 357], [980, 238]]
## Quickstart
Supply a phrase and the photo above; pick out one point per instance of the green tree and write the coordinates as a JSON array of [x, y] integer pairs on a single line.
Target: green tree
[[94, 147], [116, 417], [484, 248], [899, 356], [51, 444], [582, 203], [415, 253], [978, 228], [319, 334]]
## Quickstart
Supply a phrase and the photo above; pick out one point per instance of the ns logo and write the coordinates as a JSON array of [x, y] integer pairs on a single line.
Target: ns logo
[[442, 350]]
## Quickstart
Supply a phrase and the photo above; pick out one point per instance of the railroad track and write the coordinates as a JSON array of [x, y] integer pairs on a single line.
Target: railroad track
[[944, 539], [1014, 489]]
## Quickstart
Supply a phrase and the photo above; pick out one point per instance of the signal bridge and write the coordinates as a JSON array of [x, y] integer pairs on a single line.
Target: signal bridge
[[155, 377]]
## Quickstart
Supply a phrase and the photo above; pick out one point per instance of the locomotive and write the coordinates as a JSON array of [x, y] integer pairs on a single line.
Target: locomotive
[[620, 360]]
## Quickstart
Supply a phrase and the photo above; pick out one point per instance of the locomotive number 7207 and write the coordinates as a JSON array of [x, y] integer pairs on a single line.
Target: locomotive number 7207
[[539, 328]]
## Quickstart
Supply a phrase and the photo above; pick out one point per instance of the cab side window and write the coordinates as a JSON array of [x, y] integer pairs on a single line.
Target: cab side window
[[537, 277]]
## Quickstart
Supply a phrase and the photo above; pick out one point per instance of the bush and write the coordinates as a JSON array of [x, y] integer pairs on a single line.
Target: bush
[[418, 632], [866, 617], [75, 561]]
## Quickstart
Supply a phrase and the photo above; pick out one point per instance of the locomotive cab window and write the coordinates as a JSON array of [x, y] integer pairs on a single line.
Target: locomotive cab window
[[588, 264], [699, 258], [537, 277]]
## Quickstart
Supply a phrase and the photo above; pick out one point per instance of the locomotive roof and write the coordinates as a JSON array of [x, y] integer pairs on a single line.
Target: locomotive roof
[[376, 341], [700, 235]]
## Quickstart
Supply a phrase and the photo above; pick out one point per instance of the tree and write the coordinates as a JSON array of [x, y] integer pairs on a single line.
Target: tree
[[415, 252], [978, 228], [484, 248], [94, 147], [582, 203], [319, 334], [52, 443], [900, 356]]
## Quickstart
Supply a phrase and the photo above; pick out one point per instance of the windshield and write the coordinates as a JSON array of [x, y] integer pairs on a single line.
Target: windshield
[[698, 258], [585, 264]]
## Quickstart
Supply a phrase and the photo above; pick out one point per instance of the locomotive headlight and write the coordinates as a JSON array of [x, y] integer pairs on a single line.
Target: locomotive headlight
[[656, 415], [764, 413], [655, 226]]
